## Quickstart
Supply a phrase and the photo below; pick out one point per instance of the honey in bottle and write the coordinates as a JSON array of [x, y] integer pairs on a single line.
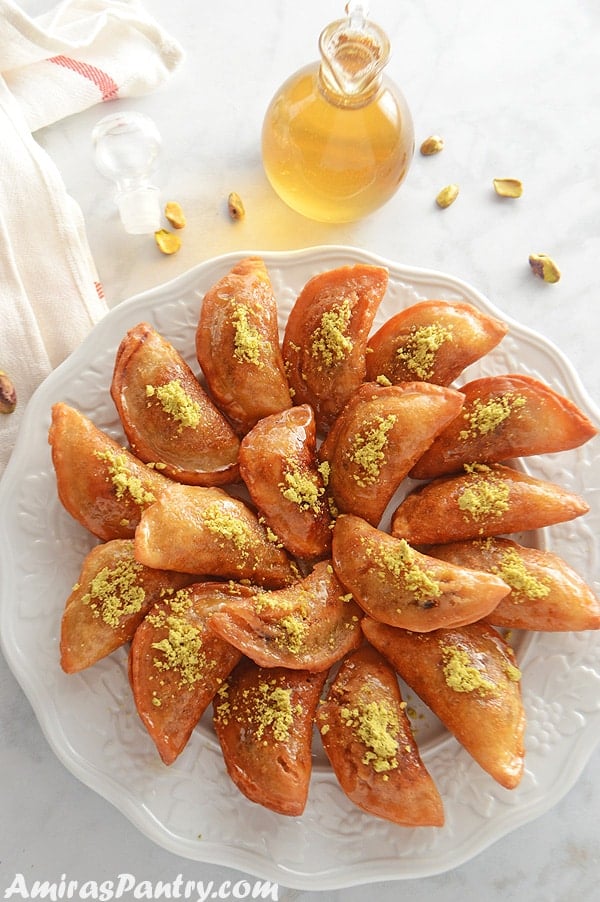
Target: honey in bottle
[[338, 136]]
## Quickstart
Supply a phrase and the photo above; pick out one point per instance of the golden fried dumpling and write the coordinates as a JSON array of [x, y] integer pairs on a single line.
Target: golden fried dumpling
[[505, 417], [368, 739], [176, 665], [237, 345], [432, 341], [102, 485], [193, 529], [278, 463], [307, 626], [483, 501], [398, 585], [263, 718], [167, 416], [377, 438], [545, 592], [325, 341], [469, 678], [109, 601]]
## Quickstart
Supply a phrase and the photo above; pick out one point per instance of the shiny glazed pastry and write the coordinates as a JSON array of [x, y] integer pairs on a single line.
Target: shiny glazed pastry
[[278, 463], [368, 739], [432, 341], [102, 485], [469, 678], [263, 719], [484, 501], [307, 626], [167, 416], [545, 592], [398, 585], [237, 345], [112, 596], [200, 530], [504, 417], [176, 665], [377, 438], [325, 341]]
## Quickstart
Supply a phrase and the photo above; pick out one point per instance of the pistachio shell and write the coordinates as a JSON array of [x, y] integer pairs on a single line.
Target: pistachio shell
[[508, 187], [167, 242]]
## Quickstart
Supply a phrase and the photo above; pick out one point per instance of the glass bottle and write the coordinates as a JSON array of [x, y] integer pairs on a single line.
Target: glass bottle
[[338, 136]]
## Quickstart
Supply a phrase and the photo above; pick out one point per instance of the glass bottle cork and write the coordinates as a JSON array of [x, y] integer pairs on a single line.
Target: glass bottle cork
[[338, 136]]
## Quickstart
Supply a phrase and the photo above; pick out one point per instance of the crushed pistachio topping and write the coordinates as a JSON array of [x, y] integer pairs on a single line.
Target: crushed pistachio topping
[[266, 706], [486, 495], [419, 351], [176, 403], [330, 342], [400, 560], [487, 416], [227, 525], [124, 482], [513, 673], [181, 647], [302, 488], [514, 572], [324, 469], [114, 592], [376, 725], [247, 339], [368, 450], [461, 674], [383, 380], [294, 630]]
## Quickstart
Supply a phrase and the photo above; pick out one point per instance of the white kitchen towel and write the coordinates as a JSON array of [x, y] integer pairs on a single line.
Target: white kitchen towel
[[80, 53]]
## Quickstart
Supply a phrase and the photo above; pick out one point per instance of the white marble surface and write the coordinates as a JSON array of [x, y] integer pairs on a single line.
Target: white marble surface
[[513, 88]]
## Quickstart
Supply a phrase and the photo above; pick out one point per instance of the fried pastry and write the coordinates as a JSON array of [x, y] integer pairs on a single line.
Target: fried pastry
[[109, 601], [176, 665], [504, 417], [377, 438], [325, 341], [469, 679], [263, 719], [307, 626], [432, 341], [167, 416], [193, 529], [483, 501], [102, 485], [398, 585], [237, 345], [545, 592], [368, 739], [278, 463]]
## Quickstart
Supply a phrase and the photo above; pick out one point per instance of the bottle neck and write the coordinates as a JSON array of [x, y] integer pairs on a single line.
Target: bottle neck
[[352, 62]]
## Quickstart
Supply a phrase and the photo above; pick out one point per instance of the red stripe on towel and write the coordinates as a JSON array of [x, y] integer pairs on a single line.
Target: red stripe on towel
[[108, 88], [99, 290]]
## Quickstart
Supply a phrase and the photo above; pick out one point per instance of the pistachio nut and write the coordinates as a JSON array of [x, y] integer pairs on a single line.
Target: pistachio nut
[[508, 187], [447, 196], [175, 214], [235, 206], [167, 242], [544, 267], [432, 144], [8, 394]]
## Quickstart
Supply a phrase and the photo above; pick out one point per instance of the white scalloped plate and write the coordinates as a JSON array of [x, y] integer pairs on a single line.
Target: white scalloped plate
[[90, 721]]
